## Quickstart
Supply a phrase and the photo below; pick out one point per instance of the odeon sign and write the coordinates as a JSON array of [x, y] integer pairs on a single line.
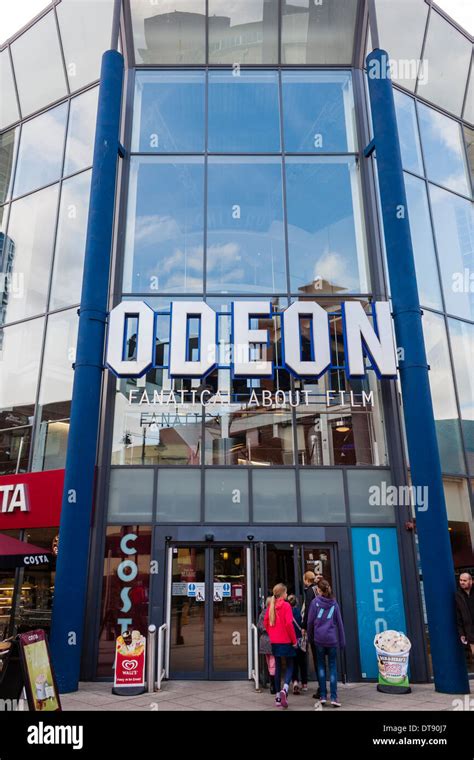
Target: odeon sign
[[362, 338]]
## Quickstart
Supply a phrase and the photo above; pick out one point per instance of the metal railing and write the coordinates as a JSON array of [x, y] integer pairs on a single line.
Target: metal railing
[[151, 659], [253, 651], [162, 671]]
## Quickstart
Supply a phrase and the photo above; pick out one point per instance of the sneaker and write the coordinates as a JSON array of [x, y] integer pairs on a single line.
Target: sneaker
[[335, 703], [323, 701], [304, 687], [277, 701], [317, 694], [283, 698], [296, 688]]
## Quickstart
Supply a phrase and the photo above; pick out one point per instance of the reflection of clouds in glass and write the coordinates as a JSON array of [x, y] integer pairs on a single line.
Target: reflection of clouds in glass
[[332, 267], [462, 345], [80, 141], [441, 379], [41, 147]]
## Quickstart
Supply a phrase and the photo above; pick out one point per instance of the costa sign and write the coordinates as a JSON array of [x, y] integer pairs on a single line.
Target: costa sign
[[362, 338], [31, 500]]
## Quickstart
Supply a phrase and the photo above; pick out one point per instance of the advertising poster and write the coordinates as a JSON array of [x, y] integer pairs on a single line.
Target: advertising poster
[[40, 683], [130, 660]]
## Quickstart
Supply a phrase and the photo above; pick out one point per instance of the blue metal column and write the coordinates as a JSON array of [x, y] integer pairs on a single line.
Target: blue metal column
[[78, 495], [450, 672]]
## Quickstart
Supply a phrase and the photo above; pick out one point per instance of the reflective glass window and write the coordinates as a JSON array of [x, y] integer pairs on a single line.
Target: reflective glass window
[[164, 245], [443, 149], [38, 65], [15, 445], [469, 142], [319, 32], [453, 219], [462, 347], [245, 233], [369, 500], [446, 74], [461, 524], [85, 27], [408, 133], [318, 112], [322, 496], [274, 496], [226, 496], [442, 393], [243, 112], [169, 31], [20, 349], [8, 149], [169, 112], [326, 238], [57, 377], [244, 31], [178, 496], [401, 28], [70, 241], [422, 239], [81, 132], [469, 105], [40, 155], [8, 102], [30, 240], [130, 495]]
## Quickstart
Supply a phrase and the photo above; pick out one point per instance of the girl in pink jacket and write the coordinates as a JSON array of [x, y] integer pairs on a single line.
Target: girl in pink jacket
[[279, 625]]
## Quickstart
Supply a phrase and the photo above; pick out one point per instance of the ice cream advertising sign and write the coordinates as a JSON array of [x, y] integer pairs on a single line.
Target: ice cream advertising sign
[[130, 660], [40, 683]]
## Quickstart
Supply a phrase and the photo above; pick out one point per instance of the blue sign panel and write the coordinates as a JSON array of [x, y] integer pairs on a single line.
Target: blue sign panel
[[379, 597]]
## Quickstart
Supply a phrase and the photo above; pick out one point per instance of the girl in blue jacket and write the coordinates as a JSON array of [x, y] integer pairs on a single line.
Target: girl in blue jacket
[[326, 630]]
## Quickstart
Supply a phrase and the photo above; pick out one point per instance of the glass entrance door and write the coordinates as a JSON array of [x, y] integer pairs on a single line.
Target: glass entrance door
[[209, 612]]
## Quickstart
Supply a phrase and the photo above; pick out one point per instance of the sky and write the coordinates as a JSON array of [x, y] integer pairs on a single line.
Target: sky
[[14, 14]]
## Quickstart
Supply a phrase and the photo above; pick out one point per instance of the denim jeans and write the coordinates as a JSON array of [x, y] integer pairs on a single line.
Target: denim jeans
[[278, 669], [331, 652]]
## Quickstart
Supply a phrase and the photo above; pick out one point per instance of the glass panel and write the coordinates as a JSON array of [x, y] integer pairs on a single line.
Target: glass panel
[[422, 239], [169, 112], [130, 495], [274, 496], [453, 219], [8, 148], [70, 242], [169, 31], [179, 496], [20, 349], [469, 142], [442, 393], [81, 132], [40, 157], [326, 239], [243, 112], [227, 496], [229, 609], [443, 150], [164, 245], [401, 28], [56, 391], [37, 585], [30, 239], [322, 496], [127, 557], [318, 111], [187, 612], [408, 133], [85, 27], [14, 445], [38, 65], [318, 32], [245, 238], [462, 347], [244, 31], [446, 75], [461, 525], [8, 103], [369, 500], [469, 106]]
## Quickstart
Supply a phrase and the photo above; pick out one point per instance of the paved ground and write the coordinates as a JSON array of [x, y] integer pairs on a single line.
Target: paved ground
[[240, 695]]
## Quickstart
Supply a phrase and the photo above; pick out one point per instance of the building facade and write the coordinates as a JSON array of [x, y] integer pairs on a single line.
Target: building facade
[[242, 179]]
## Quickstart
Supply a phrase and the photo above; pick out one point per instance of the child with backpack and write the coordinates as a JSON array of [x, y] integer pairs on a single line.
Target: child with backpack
[[300, 673], [326, 631]]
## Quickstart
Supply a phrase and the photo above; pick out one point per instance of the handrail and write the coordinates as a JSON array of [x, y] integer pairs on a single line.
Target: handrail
[[161, 670], [253, 648]]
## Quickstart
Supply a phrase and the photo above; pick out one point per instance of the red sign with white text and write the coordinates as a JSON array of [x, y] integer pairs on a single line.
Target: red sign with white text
[[130, 659], [31, 500]]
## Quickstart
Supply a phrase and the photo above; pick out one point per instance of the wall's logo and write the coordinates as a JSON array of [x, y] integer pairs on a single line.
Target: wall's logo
[[130, 664], [14, 497], [133, 324]]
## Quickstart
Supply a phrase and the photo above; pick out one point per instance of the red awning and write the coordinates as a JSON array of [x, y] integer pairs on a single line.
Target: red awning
[[14, 553]]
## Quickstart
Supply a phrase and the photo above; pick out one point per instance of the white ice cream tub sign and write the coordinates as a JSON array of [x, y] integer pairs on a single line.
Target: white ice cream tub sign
[[393, 655]]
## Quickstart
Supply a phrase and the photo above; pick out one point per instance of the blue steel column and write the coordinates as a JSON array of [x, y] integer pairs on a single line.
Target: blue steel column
[[450, 672], [78, 495]]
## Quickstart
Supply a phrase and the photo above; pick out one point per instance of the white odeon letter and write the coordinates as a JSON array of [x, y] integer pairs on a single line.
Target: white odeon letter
[[145, 339], [180, 365], [359, 333], [321, 350], [243, 336]]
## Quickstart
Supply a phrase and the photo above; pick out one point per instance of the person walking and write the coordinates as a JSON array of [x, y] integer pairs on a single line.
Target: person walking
[[310, 592], [278, 622], [326, 630], [465, 611], [265, 646], [300, 672]]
